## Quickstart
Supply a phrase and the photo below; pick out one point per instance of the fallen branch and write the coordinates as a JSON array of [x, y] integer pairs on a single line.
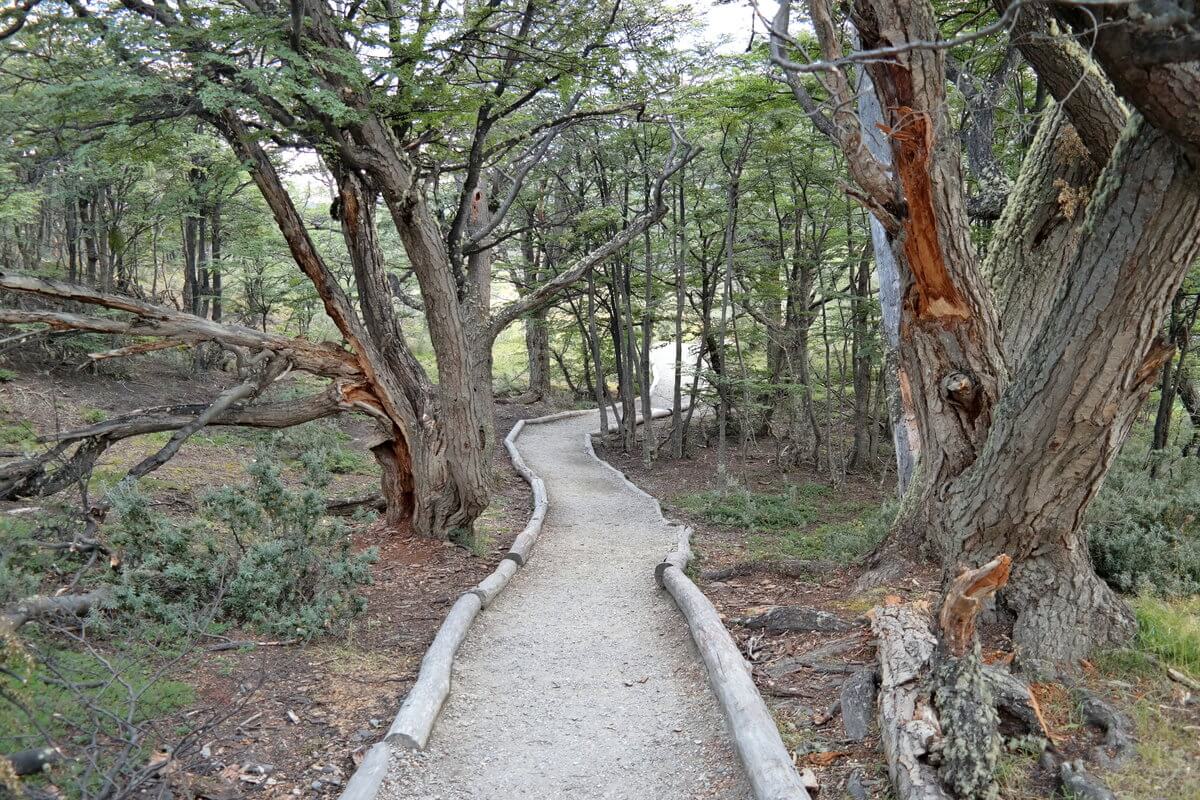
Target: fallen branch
[[908, 726], [44, 607], [345, 506]]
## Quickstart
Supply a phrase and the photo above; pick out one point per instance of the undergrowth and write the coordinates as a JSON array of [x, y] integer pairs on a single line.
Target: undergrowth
[[784, 524], [262, 549], [1143, 531]]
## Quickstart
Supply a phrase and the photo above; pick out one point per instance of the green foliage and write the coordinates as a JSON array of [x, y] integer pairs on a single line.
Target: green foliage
[[260, 552], [7, 375], [1170, 631], [1142, 531], [842, 541], [20, 433], [93, 416], [758, 512], [783, 524]]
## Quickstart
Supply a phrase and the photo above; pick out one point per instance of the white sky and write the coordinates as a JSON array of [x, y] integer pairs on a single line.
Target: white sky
[[729, 23]]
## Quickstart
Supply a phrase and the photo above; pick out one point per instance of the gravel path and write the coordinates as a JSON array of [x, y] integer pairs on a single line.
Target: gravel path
[[580, 681]]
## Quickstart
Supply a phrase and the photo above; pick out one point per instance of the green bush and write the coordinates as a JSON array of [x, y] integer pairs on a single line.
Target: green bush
[[757, 512], [261, 552], [1142, 532]]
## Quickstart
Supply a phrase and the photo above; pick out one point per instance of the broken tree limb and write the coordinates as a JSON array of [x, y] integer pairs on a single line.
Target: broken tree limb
[[908, 727], [966, 708], [755, 736], [45, 607], [964, 600]]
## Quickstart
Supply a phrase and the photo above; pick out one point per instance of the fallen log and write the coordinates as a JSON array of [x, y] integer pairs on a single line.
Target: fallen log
[[46, 607], [414, 722], [345, 506], [908, 727], [795, 618], [786, 567], [755, 736]]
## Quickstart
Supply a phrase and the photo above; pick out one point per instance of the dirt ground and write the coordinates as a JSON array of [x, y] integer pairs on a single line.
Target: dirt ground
[[289, 720], [1164, 716]]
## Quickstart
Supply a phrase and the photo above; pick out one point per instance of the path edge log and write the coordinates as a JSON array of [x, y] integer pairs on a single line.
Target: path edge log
[[756, 738], [414, 722]]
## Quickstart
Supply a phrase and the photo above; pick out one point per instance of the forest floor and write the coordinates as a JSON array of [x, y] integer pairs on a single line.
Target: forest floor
[[771, 516], [293, 720], [288, 720]]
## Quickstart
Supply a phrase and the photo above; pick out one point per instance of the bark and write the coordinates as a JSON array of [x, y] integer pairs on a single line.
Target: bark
[[1040, 230], [1074, 401]]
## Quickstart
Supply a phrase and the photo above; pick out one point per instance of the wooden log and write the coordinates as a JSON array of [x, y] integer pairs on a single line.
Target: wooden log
[[678, 558], [493, 584], [364, 784], [43, 607], [420, 709], [755, 737], [908, 728]]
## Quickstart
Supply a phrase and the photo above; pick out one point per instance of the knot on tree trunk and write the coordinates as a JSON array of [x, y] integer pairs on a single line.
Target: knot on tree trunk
[[962, 390]]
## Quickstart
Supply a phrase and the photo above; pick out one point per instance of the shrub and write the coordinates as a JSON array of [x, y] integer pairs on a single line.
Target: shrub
[[260, 551], [1142, 532]]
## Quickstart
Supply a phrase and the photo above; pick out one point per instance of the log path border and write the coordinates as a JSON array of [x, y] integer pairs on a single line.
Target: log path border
[[418, 713], [765, 758]]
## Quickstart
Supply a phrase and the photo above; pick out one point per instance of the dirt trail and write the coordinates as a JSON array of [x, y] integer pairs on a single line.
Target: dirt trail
[[581, 680]]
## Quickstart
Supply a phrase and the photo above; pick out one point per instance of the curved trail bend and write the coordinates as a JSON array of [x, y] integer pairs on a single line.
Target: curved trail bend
[[580, 681]]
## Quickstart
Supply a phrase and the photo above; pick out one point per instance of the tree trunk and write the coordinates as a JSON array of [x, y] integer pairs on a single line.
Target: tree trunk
[[1071, 407]]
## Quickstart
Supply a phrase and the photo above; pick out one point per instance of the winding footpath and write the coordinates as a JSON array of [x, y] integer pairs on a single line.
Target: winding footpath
[[580, 680]]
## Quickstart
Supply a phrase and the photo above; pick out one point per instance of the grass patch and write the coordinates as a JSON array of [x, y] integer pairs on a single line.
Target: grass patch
[[21, 433], [1167, 755], [1170, 631], [757, 512], [126, 687], [92, 416]]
